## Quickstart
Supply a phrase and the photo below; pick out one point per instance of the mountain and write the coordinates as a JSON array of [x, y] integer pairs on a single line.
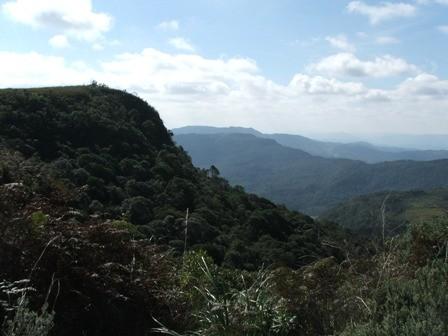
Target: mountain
[[115, 147], [106, 228], [400, 210], [214, 130], [408, 141], [97, 203], [301, 181], [362, 151]]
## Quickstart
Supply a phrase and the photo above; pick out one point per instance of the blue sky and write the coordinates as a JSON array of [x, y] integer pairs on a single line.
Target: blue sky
[[279, 66]]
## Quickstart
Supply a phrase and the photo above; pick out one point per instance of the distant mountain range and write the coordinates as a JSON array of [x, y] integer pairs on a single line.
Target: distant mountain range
[[364, 213], [408, 141], [298, 179], [362, 151]]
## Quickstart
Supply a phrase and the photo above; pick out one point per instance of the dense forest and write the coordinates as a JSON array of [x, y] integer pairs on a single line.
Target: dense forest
[[107, 228], [395, 210], [300, 180]]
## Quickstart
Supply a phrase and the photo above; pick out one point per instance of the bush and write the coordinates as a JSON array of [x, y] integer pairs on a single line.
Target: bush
[[412, 307], [39, 220], [140, 210], [23, 321], [26, 322], [250, 308]]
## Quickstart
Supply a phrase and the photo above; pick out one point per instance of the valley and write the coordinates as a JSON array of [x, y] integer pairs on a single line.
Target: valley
[[303, 181]]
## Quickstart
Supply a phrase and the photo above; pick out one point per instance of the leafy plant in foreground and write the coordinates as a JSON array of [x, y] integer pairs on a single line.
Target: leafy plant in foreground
[[253, 310], [24, 321]]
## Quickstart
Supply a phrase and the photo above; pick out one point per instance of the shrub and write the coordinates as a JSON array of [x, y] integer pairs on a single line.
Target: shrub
[[39, 219], [23, 321], [253, 310], [412, 307], [27, 322]]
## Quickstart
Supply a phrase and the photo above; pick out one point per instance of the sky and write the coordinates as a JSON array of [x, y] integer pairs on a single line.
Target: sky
[[291, 66]]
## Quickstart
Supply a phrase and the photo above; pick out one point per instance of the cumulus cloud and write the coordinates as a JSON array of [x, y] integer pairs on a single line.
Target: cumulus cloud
[[347, 64], [171, 25], [59, 41], [340, 42], [382, 12], [181, 44], [74, 19], [320, 85], [34, 69], [179, 75], [424, 85], [191, 89]]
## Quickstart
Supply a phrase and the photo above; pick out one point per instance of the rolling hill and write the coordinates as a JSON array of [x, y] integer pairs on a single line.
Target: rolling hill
[[401, 209], [302, 181], [362, 151]]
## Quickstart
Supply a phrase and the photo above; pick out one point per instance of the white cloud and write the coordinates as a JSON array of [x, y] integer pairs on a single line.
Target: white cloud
[[424, 85], [75, 19], [347, 64], [320, 85], [179, 75], [382, 12], [98, 46], [33, 69], [443, 29], [340, 42], [386, 40], [191, 89], [181, 44], [172, 25], [59, 41]]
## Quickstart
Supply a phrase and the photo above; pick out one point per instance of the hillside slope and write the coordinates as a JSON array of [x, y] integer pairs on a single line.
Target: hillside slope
[[115, 147], [362, 151], [302, 181], [91, 182], [401, 210]]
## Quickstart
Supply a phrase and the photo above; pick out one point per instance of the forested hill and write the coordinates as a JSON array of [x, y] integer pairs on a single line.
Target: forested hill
[[396, 210], [362, 151], [301, 181], [114, 146], [91, 176], [96, 239]]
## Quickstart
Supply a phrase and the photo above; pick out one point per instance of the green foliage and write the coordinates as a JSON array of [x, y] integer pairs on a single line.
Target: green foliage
[[100, 164], [39, 219], [139, 210], [113, 150], [414, 307], [95, 170], [21, 320], [254, 309], [429, 241], [407, 294], [364, 214], [128, 227], [26, 322]]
